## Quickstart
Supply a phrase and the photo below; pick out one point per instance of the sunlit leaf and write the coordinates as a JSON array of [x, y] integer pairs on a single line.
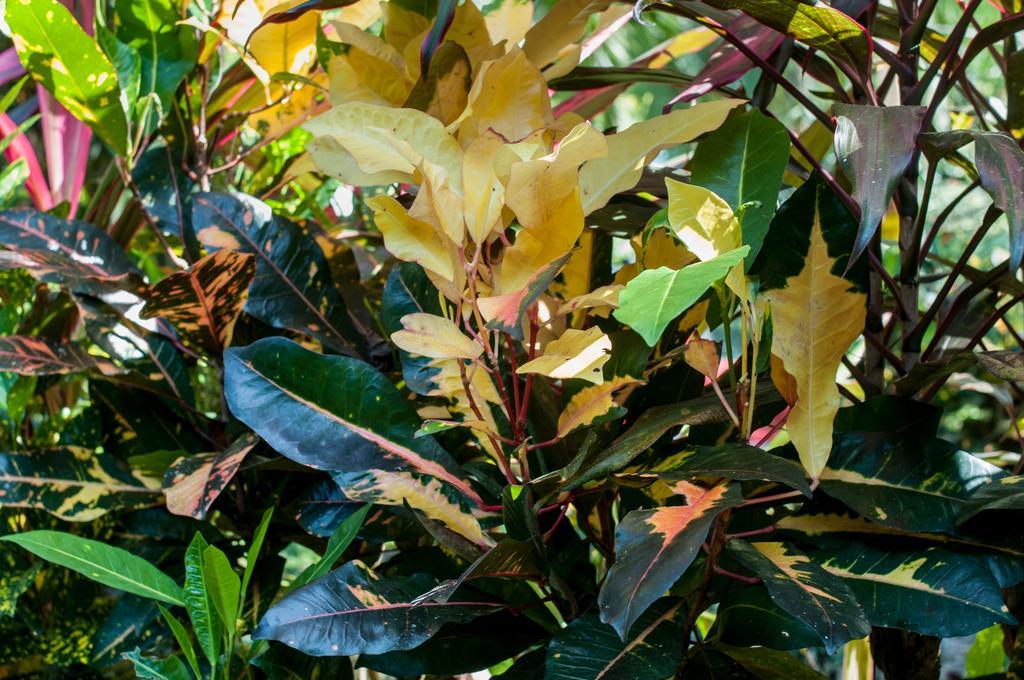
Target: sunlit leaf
[[576, 354], [191, 484], [435, 337]]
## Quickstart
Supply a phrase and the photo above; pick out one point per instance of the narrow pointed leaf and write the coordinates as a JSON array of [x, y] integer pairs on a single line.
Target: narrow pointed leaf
[[874, 145], [1006, 493], [223, 584], [181, 636], [657, 296], [732, 461], [72, 483], [199, 601], [106, 564], [805, 590], [203, 302], [147, 668], [292, 287], [336, 545], [654, 547], [353, 610], [435, 36], [1000, 165], [191, 484], [25, 355]]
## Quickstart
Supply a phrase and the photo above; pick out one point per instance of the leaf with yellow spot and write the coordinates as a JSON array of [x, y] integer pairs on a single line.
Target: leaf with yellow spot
[[815, 318], [654, 547], [204, 301], [410, 239], [804, 589], [435, 337], [353, 610], [577, 354], [630, 150], [707, 226], [72, 483], [65, 60], [590, 404]]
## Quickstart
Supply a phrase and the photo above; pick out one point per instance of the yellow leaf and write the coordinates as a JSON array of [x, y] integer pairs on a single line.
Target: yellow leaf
[[362, 13], [707, 226], [510, 21], [369, 43], [484, 192], [535, 248], [815, 319], [590, 403], [577, 354], [301, 103], [402, 26], [510, 97], [661, 250], [702, 356], [360, 77], [537, 187], [410, 239], [630, 150], [435, 337], [601, 300], [561, 27], [782, 380], [687, 42], [288, 47], [368, 145]]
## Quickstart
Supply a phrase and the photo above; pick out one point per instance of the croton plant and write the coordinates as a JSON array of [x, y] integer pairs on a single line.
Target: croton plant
[[398, 338]]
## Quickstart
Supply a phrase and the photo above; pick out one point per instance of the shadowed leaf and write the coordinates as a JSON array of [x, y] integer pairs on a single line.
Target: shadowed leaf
[[191, 484], [35, 356]]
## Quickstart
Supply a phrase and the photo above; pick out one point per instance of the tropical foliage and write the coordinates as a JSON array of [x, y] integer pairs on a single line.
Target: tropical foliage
[[564, 340]]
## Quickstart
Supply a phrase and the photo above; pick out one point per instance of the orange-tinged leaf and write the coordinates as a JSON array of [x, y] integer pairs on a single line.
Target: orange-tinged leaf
[[702, 356], [591, 403], [192, 483], [815, 318], [783, 381], [634, 147], [204, 302], [654, 547], [577, 354], [435, 337], [410, 239]]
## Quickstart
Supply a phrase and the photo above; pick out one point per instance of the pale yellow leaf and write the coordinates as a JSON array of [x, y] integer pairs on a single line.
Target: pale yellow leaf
[[577, 354], [562, 27], [435, 337], [815, 319], [362, 13], [634, 147], [590, 403], [707, 227], [535, 248], [484, 191], [360, 77], [288, 47], [687, 42], [509, 96], [402, 26], [373, 45], [702, 356], [510, 21], [600, 301], [410, 239]]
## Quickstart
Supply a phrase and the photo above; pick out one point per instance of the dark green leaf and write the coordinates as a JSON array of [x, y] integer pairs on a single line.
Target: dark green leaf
[[654, 547], [69, 63], [281, 662], [199, 601], [171, 668], [747, 617], [1001, 169], [731, 461], [103, 563], [408, 290], [355, 611], [769, 664], [743, 162], [339, 541], [805, 590], [589, 650], [874, 145], [292, 288], [1006, 493], [72, 483], [253, 553], [181, 635]]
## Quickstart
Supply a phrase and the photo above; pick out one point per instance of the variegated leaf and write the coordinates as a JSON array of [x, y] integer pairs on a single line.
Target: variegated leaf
[[353, 610], [72, 483], [204, 301], [292, 287], [805, 590], [192, 483], [36, 356], [654, 547]]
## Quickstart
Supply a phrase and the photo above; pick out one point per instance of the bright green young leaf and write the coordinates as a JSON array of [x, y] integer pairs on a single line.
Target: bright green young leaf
[[146, 668], [253, 554], [653, 299], [106, 564], [986, 656], [199, 600], [181, 636], [68, 63], [223, 584], [336, 545], [167, 51], [743, 162]]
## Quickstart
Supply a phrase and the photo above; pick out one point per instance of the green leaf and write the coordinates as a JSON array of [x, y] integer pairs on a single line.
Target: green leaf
[[292, 288], [336, 545], [986, 655], [181, 635], [589, 650], [731, 461], [253, 554], [146, 668], [1001, 170], [68, 63], [743, 162], [931, 592], [409, 291], [1005, 493], [805, 590], [72, 483], [874, 146], [769, 664], [223, 584], [654, 547], [330, 412], [199, 600], [106, 564], [55, 250], [657, 296], [12, 178], [353, 610], [747, 617], [167, 51]]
